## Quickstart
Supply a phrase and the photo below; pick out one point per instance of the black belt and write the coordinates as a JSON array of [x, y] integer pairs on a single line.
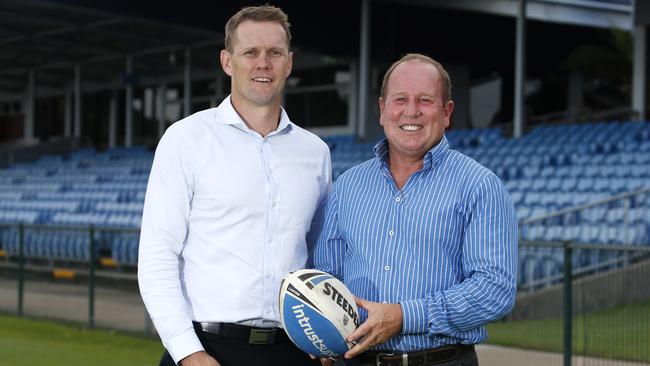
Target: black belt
[[243, 333], [417, 358]]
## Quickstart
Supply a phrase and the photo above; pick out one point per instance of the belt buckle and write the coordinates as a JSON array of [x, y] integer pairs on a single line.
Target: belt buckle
[[261, 336], [379, 355]]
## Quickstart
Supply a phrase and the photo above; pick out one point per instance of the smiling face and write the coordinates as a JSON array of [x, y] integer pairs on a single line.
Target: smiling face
[[413, 112], [258, 64]]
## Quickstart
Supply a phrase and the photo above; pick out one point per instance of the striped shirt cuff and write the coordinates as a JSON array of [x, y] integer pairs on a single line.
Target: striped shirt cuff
[[414, 316]]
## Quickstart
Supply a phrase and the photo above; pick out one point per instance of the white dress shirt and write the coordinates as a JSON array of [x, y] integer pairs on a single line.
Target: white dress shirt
[[227, 214]]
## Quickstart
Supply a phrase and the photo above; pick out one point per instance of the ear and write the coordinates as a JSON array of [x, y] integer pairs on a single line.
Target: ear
[[382, 105], [447, 110], [289, 65], [225, 59]]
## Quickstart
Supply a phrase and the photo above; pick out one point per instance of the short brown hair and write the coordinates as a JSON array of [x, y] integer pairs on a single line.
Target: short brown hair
[[264, 13], [444, 75]]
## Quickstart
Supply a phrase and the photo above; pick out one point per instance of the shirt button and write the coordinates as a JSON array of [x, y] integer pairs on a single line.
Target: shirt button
[[387, 268], [268, 310], [270, 240], [274, 204], [268, 276], [391, 233], [397, 199], [270, 171]]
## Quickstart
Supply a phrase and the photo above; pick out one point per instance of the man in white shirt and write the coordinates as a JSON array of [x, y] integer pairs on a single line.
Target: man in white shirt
[[234, 202]]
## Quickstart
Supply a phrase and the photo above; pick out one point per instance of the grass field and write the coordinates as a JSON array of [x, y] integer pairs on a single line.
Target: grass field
[[620, 333], [28, 342]]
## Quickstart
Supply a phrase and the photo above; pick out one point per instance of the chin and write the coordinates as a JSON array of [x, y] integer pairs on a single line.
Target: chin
[[262, 100]]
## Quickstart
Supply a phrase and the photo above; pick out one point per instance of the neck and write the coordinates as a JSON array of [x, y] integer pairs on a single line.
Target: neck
[[402, 167], [261, 119]]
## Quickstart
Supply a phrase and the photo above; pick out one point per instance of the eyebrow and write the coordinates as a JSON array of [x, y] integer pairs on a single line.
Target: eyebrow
[[405, 94], [272, 48]]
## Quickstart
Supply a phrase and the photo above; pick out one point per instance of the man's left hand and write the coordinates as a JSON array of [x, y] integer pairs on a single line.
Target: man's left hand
[[383, 322]]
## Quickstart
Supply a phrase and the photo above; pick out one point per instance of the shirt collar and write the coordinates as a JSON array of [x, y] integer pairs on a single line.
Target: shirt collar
[[431, 157], [226, 114]]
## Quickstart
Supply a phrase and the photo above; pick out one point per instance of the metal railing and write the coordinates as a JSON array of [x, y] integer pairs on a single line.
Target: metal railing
[[563, 283], [97, 237], [623, 255]]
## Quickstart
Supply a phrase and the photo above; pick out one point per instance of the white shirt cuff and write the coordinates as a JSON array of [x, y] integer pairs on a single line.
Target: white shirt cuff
[[184, 345]]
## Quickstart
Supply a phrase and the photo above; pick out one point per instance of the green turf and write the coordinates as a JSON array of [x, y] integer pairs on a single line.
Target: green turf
[[621, 333], [28, 342]]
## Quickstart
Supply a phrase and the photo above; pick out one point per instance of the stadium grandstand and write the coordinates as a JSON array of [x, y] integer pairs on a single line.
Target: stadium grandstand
[[550, 95]]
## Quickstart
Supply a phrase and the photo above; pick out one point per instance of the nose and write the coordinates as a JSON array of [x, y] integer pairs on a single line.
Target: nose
[[412, 109], [263, 62]]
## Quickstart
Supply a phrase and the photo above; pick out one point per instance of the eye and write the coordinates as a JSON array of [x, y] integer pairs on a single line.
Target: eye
[[250, 52], [426, 100]]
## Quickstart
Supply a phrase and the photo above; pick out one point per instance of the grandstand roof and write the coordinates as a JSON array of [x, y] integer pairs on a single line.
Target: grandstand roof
[[50, 37], [593, 13]]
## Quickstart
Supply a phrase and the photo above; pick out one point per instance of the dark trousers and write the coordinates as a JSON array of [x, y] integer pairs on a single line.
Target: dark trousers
[[233, 352]]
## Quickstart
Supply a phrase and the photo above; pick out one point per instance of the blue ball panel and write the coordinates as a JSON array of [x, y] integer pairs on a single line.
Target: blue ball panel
[[310, 330]]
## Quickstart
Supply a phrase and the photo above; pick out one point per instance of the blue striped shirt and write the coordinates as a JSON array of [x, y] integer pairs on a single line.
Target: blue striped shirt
[[444, 247]]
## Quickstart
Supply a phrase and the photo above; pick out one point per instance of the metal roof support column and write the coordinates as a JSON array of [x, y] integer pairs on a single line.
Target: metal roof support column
[[187, 88], [30, 101], [128, 105], [218, 88], [353, 94], [364, 68], [161, 109], [77, 100], [112, 120], [67, 110], [639, 72], [520, 71]]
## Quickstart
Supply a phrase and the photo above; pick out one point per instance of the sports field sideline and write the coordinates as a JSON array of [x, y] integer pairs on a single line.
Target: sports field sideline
[[29, 342]]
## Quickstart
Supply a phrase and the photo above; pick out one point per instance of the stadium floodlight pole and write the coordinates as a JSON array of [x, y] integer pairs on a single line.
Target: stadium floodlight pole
[[364, 67], [520, 61]]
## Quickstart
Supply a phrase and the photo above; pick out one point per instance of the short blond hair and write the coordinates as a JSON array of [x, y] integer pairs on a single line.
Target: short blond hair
[[263, 13], [444, 75]]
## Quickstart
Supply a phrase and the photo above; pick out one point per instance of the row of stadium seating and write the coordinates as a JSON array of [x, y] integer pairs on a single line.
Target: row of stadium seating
[[539, 267], [550, 168], [634, 234], [72, 246]]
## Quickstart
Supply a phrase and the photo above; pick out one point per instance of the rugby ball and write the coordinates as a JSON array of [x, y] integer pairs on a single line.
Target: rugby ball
[[318, 312]]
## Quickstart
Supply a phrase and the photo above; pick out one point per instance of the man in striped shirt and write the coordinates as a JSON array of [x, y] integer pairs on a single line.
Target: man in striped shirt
[[423, 235]]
